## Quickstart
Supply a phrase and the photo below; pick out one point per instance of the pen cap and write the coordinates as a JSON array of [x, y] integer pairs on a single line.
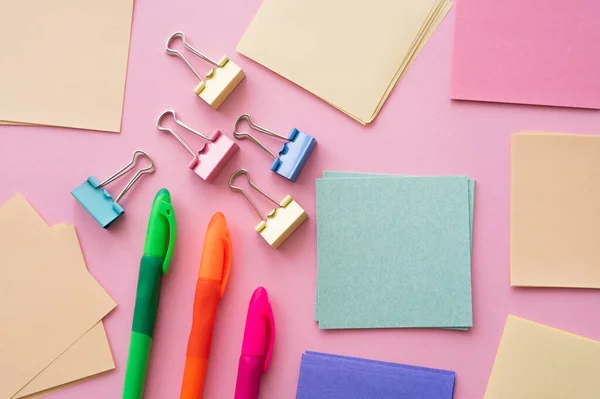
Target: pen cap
[[216, 253], [162, 231], [259, 335]]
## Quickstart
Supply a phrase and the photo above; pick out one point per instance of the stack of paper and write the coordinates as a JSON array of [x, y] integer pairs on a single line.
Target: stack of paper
[[528, 52], [63, 62], [536, 361], [324, 376], [51, 307], [555, 223], [394, 251], [350, 54]]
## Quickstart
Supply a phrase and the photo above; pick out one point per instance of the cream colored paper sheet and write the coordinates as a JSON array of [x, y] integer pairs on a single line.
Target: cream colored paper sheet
[[555, 219], [349, 54], [50, 391], [88, 356], [44, 271], [65, 62], [536, 361]]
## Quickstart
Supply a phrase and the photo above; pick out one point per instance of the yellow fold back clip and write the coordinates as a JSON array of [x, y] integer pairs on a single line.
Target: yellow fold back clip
[[219, 81], [281, 222]]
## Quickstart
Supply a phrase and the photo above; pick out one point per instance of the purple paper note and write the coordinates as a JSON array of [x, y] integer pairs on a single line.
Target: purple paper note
[[324, 376]]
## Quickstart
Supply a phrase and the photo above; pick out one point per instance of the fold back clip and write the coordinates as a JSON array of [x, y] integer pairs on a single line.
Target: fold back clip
[[98, 202], [281, 222], [212, 157], [219, 81], [293, 154]]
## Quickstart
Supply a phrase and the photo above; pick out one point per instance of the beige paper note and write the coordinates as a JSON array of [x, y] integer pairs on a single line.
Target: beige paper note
[[64, 62], [350, 54], [555, 218], [59, 301], [88, 356], [535, 361]]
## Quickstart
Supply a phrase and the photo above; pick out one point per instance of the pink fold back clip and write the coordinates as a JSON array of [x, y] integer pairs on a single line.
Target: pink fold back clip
[[212, 156]]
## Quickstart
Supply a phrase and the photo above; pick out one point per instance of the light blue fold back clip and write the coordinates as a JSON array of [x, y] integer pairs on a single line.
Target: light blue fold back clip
[[293, 154], [98, 202]]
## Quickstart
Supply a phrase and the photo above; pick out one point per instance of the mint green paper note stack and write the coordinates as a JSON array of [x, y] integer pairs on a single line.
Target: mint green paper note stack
[[394, 251]]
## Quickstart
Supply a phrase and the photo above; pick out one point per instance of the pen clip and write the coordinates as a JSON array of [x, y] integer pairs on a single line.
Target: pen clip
[[271, 339], [166, 210], [226, 262]]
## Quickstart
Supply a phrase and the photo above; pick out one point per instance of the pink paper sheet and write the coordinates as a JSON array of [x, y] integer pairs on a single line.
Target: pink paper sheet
[[542, 52]]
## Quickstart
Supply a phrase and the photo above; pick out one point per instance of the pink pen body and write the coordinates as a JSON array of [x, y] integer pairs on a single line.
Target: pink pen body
[[250, 371], [257, 346]]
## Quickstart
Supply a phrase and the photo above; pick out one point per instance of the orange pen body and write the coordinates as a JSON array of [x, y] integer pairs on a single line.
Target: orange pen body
[[212, 280]]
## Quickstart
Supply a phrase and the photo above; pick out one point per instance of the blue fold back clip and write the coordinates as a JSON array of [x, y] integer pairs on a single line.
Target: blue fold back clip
[[293, 154], [98, 202]]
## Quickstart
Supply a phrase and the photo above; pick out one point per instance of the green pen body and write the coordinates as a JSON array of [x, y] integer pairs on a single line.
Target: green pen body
[[158, 249]]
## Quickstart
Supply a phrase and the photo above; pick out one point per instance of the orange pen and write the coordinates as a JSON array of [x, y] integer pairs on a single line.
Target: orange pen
[[213, 275]]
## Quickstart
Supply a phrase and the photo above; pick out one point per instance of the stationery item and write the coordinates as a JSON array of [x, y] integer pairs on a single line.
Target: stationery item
[[527, 52], [210, 159], [82, 86], [554, 217], [416, 274], [257, 348], [219, 81], [326, 51], [281, 222], [293, 154], [99, 202], [324, 376], [338, 175], [536, 361], [88, 356], [213, 276], [158, 251], [44, 272]]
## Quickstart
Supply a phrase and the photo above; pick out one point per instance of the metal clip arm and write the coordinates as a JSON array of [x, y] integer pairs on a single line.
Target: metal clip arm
[[160, 127], [146, 170], [177, 53], [240, 172], [244, 135]]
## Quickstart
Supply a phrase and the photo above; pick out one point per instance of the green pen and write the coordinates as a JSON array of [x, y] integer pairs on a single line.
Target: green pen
[[158, 250]]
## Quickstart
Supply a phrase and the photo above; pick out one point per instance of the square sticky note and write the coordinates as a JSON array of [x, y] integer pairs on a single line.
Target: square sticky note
[[68, 64], [393, 252], [528, 52], [555, 216], [536, 361], [334, 174]]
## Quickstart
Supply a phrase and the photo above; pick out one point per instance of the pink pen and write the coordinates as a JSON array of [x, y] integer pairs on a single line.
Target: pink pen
[[257, 347]]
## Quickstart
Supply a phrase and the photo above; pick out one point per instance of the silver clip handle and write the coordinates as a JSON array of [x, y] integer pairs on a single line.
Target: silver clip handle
[[244, 135], [146, 170], [183, 125], [177, 53], [240, 172]]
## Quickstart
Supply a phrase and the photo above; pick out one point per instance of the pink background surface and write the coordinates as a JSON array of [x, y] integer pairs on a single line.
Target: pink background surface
[[419, 131]]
